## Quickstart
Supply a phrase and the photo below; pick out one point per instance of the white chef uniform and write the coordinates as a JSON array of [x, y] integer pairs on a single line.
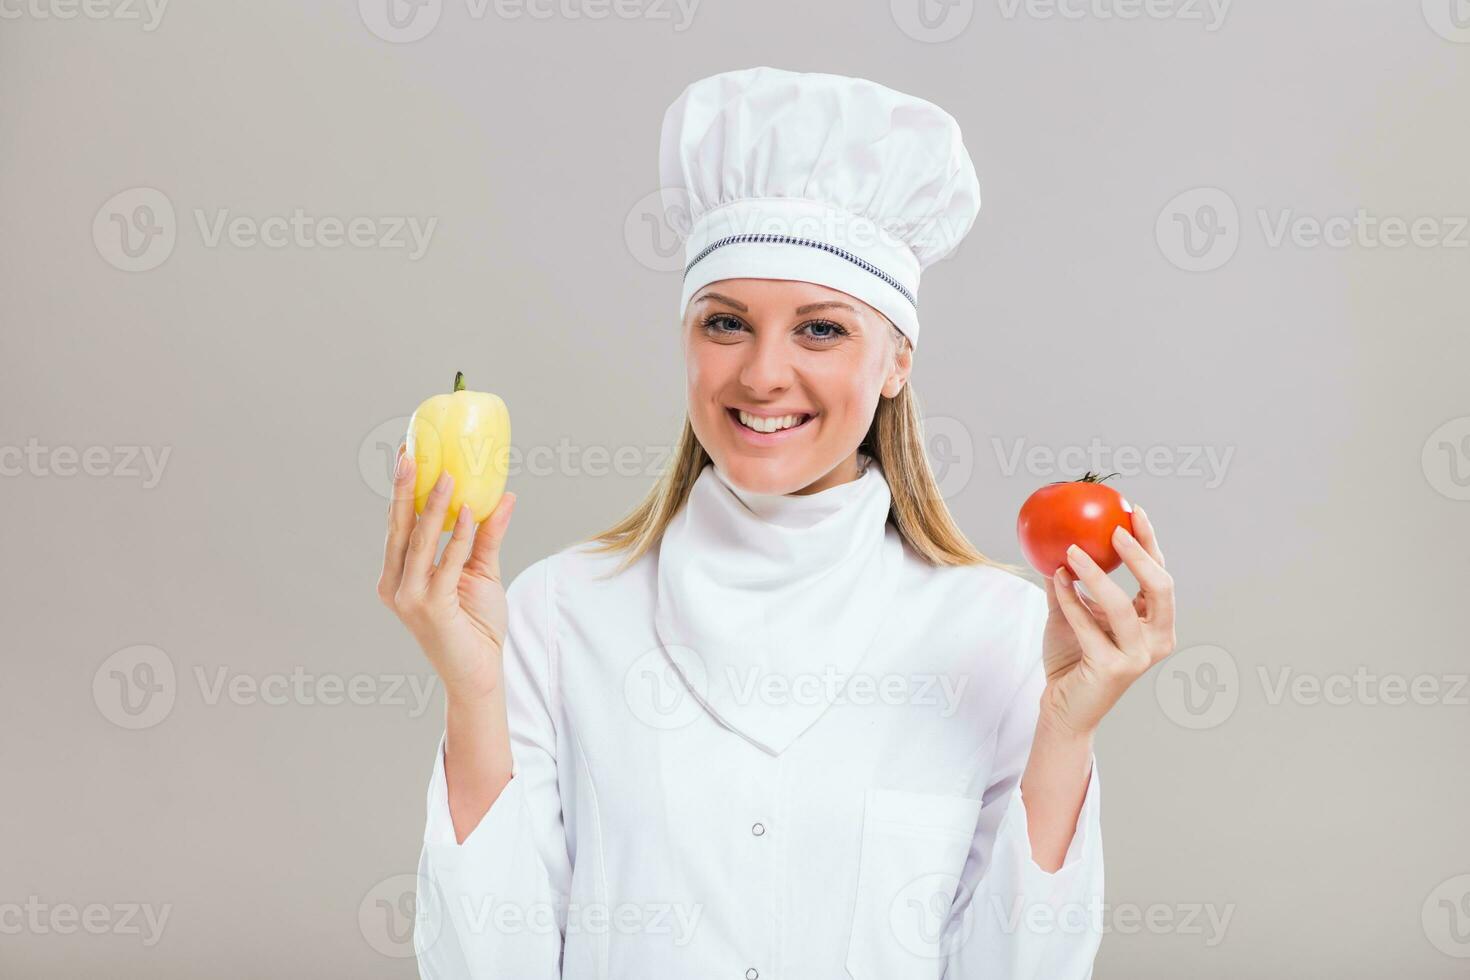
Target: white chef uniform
[[780, 745]]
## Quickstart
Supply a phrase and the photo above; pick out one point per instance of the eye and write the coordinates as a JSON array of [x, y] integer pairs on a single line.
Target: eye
[[825, 331], [721, 325]]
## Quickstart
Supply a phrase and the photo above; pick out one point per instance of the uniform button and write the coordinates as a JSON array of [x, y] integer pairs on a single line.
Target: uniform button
[[758, 830], [752, 973]]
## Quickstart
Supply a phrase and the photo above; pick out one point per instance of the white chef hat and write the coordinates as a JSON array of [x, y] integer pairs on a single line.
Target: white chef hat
[[822, 178]]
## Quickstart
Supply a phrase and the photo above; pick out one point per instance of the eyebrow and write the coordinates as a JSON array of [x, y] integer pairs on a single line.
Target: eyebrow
[[800, 310]]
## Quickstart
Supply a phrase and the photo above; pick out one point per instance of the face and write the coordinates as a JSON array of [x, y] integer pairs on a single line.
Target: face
[[783, 380]]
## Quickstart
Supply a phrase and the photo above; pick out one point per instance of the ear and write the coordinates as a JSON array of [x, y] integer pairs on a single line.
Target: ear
[[903, 363]]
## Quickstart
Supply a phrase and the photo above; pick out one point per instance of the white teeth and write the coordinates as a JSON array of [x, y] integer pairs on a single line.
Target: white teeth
[[775, 424]]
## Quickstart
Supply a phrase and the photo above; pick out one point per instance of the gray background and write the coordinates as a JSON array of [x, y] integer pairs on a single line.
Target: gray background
[[1333, 543]]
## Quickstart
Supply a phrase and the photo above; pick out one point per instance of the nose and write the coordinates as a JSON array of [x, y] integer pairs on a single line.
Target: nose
[[768, 364]]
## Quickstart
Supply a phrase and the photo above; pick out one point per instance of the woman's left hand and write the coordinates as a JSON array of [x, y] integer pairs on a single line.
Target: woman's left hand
[[1095, 648]]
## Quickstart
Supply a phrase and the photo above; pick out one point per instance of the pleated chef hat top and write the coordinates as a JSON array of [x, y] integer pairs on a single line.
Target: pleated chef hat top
[[823, 178]]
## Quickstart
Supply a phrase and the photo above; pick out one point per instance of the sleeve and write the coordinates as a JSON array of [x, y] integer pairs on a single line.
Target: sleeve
[[1010, 919], [494, 906]]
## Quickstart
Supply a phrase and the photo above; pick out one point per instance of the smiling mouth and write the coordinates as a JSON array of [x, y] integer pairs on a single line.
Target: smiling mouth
[[770, 424]]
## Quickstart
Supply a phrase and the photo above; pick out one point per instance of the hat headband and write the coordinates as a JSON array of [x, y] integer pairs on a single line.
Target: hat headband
[[792, 238]]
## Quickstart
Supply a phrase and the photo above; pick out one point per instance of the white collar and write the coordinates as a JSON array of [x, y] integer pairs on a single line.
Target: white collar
[[768, 602]]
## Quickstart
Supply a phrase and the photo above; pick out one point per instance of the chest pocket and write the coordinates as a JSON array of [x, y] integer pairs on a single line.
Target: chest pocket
[[913, 849]]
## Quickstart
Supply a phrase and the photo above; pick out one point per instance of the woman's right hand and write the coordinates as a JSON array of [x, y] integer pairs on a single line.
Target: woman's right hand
[[456, 610]]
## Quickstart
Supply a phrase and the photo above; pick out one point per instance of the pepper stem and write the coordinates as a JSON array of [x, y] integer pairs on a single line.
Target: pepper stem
[[459, 381]]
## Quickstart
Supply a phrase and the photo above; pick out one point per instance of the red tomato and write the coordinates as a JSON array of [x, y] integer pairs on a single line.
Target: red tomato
[[1082, 512]]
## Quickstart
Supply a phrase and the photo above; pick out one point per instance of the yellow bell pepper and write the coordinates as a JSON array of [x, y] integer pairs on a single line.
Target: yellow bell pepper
[[468, 434]]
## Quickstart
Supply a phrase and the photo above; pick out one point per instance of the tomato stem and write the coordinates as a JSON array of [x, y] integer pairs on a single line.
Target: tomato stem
[[1088, 477], [459, 381]]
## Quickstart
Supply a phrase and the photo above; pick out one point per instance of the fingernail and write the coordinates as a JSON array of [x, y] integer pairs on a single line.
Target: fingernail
[[1138, 512], [1121, 535], [1076, 554], [444, 481], [1062, 577], [405, 464], [465, 514]]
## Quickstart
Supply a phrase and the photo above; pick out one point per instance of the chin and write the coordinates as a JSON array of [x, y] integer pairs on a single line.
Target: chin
[[763, 474]]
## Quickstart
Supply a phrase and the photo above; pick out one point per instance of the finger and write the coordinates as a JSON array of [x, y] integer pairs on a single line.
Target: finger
[[1156, 584], [1116, 607], [1143, 530], [424, 540], [485, 556], [446, 576], [1151, 576], [1053, 603], [1089, 631], [400, 525]]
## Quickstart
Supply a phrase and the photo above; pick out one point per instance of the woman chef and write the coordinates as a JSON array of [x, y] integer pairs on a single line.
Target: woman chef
[[783, 722]]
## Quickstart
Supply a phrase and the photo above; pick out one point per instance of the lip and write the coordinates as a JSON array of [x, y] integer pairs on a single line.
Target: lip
[[767, 438]]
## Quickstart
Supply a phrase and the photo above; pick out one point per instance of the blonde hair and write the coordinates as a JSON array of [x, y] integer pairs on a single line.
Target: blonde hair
[[895, 441]]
